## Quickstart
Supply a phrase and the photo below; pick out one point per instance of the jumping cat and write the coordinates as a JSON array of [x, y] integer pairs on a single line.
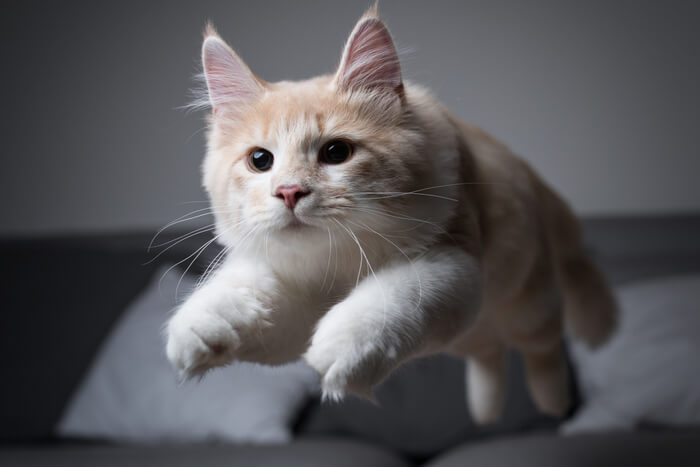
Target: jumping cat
[[365, 225]]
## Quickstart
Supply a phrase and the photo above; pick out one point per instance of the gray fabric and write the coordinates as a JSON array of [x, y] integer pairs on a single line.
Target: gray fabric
[[65, 293], [422, 409], [302, 453], [89, 279], [635, 248], [61, 296], [667, 449], [131, 392], [648, 372]]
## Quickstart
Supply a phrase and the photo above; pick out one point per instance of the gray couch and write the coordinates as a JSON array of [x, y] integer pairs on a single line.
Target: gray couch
[[77, 286]]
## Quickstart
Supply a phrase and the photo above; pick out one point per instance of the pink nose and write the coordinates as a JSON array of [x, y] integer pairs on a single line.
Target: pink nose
[[291, 194]]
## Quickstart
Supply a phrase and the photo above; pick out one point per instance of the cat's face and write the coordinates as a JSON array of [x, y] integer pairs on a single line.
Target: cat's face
[[297, 158]]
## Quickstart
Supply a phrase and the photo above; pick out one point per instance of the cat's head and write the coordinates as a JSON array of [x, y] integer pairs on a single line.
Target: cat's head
[[291, 159]]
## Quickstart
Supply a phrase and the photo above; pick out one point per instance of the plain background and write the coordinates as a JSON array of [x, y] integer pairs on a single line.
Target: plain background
[[602, 97]]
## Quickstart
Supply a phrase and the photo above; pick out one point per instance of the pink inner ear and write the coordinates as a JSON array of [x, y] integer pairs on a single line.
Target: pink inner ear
[[370, 60], [230, 82]]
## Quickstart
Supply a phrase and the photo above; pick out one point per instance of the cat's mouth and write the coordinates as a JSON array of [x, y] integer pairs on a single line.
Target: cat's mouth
[[294, 222], [298, 220]]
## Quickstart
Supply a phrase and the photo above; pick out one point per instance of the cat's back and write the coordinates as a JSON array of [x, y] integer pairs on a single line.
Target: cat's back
[[508, 201]]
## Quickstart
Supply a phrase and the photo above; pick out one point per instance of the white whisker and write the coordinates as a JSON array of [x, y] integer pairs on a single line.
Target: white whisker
[[213, 265], [179, 240], [379, 211], [415, 271], [371, 269], [267, 249], [184, 218], [196, 231], [198, 250], [396, 194], [328, 265]]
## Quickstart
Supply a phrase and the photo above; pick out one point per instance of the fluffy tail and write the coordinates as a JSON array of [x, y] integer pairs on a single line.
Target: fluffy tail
[[590, 310]]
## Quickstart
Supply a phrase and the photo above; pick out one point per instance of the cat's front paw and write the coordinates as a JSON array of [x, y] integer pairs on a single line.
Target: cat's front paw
[[348, 357], [199, 339]]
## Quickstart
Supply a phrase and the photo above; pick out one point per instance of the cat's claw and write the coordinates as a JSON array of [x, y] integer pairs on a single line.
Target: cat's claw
[[347, 361], [329, 394]]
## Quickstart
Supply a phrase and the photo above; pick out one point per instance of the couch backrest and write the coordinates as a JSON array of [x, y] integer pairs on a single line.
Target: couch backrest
[[60, 295], [59, 298]]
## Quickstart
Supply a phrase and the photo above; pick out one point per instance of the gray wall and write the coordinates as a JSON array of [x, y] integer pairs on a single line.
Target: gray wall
[[602, 97]]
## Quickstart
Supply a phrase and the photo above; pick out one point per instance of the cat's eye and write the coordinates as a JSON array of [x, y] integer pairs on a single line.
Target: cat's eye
[[335, 152], [260, 160]]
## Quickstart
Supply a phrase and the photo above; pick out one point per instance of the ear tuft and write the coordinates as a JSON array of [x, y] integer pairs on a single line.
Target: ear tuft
[[373, 11], [210, 30], [230, 82], [370, 60]]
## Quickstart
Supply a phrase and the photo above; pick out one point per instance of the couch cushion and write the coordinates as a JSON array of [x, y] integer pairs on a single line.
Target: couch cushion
[[422, 409], [64, 294], [131, 392], [302, 453], [641, 449], [648, 372], [60, 296]]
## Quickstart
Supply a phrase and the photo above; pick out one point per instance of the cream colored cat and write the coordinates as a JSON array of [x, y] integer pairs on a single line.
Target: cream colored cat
[[366, 225]]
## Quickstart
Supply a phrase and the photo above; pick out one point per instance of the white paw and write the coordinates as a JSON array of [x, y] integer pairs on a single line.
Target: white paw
[[486, 386], [348, 359], [198, 340], [211, 328], [336, 362]]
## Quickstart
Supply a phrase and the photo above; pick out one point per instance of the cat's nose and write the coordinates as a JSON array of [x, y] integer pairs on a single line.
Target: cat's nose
[[290, 194]]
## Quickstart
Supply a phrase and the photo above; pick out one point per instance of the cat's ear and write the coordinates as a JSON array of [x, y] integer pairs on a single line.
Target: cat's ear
[[230, 83], [370, 60]]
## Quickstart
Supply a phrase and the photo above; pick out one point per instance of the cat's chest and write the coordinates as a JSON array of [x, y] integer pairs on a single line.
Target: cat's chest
[[320, 261]]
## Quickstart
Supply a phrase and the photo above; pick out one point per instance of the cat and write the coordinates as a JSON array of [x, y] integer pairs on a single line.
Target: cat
[[365, 225]]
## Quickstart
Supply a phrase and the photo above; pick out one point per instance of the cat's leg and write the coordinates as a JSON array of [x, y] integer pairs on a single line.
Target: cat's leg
[[405, 309], [485, 372], [486, 383], [532, 323], [225, 318], [548, 379]]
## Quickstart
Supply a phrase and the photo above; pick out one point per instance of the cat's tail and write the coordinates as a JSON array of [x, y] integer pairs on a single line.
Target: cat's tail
[[590, 309]]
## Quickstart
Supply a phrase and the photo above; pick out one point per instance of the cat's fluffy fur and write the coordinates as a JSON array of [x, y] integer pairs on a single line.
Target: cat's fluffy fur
[[432, 237]]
